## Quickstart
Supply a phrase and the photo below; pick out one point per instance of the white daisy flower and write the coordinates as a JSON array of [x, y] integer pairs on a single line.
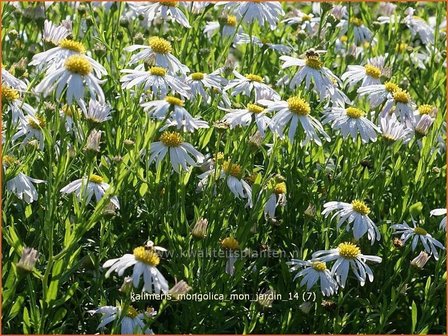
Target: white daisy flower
[[338, 98], [245, 117], [165, 11], [158, 52], [418, 233], [55, 58], [307, 22], [339, 11], [53, 33], [392, 130], [277, 197], [75, 75], [31, 127], [11, 102], [233, 174], [419, 27], [312, 272], [346, 256], [251, 84], [172, 107], [190, 125], [182, 154], [379, 93], [423, 124], [248, 11], [200, 83], [403, 107], [311, 69], [424, 116], [85, 188], [66, 114], [243, 38], [231, 245], [369, 74], [294, 111], [228, 25], [11, 81], [361, 32], [351, 121], [386, 8], [144, 261], [155, 79], [98, 112], [440, 212], [132, 322], [22, 186], [354, 214]]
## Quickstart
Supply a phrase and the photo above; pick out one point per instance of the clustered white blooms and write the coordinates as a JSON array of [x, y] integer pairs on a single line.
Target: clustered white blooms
[[167, 90]]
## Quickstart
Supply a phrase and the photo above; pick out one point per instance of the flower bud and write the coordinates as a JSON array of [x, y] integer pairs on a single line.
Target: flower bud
[[200, 228], [416, 209], [306, 306], [310, 211], [179, 290], [424, 124], [266, 299], [28, 259], [420, 261], [93, 141], [127, 285]]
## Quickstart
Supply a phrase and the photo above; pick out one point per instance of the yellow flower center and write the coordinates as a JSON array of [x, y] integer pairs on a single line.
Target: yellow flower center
[[401, 96], [171, 139], [306, 17], [360, 207], [78, 64], [372, 71], [401, 47], [420, 231], [319, 266], [298, 106], [280, 188], [344, 38], [159, 45], [254, 108], [37, 122], [354, 112], [391, 87], [232, 169], [72, 45], [254, 78], [170, 3], [69, 111], [132, 312], [231, 20], [230, 243], [348, 250], [157, 71], [218, 156], [425, 109], [314, 62], [174, 101], [96, 179], [197, 76], [9, 94], [147, 256], [355, 21]]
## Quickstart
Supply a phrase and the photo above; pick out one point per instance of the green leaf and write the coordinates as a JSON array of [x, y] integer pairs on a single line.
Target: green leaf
[[143, 189], [414, 317]]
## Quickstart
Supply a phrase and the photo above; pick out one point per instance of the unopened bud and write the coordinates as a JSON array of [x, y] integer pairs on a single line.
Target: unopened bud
[[200, 228], [28, 259]]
